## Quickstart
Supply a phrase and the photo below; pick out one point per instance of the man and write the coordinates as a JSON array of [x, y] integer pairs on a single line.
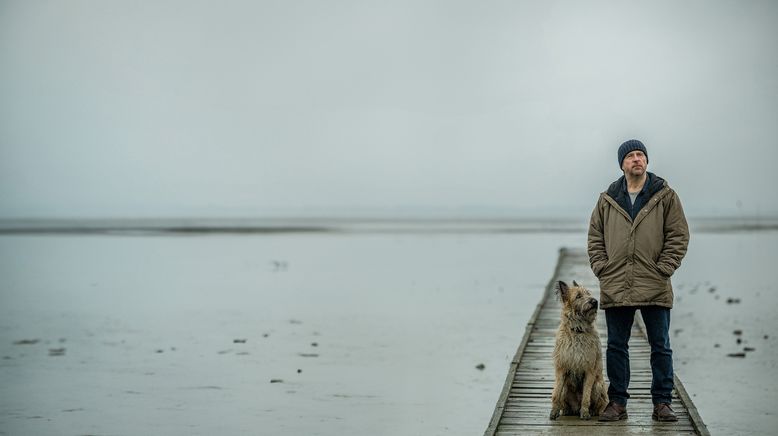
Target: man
[[638, 236]]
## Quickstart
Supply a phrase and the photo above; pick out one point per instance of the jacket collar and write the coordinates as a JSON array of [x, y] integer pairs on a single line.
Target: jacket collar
[[618, 190]]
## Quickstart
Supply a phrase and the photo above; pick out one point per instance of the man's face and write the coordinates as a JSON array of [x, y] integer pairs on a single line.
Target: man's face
[[634, 163]]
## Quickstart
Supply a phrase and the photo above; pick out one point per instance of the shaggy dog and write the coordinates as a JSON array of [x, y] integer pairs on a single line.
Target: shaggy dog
[[579, 388]]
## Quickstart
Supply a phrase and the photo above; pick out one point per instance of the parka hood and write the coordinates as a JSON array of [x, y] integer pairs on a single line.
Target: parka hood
[[618, 194]]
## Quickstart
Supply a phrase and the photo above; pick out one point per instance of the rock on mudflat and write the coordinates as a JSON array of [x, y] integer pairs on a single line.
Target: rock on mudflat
[[27, 342]]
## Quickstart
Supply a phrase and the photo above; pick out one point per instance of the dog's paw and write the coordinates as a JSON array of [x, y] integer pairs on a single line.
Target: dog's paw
[[554, 414], [585, 415]]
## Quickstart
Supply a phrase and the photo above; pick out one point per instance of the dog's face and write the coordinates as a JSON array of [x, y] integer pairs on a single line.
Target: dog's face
[[577, 301]]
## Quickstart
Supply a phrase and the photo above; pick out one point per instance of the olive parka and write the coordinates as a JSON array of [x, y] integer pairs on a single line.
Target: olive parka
[[634, 259]]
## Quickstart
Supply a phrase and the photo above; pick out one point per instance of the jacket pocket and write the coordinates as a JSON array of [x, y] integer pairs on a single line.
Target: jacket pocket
[[660, 271], [599, 267], [604, 269]]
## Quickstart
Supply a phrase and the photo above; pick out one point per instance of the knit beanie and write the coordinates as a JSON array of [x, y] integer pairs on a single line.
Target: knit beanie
[[628, 146]]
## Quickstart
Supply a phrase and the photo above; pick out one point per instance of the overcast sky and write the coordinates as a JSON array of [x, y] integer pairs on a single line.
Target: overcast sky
[[250, 108]]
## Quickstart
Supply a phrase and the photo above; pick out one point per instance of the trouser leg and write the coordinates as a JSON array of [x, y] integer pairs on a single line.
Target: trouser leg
[[657, 321], [619, 321]]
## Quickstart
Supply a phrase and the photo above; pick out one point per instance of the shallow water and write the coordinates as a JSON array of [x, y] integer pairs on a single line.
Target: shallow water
[[148, 324], [726, 285], [367, 333]]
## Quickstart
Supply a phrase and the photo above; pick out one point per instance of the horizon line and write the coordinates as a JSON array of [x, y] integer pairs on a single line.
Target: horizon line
[[345, 224]]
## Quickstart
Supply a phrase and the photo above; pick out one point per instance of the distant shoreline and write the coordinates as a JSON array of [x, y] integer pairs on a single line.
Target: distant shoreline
[[146, 226]]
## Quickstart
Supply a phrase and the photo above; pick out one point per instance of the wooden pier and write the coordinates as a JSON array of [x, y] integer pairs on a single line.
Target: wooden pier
[[525, 401]]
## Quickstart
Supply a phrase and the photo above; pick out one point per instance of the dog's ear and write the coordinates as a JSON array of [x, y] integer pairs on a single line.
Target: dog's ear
[[576, 284], [561, 289]]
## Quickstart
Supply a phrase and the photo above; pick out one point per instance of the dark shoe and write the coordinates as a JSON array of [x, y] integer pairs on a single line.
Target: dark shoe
[[663, 412], [613, 412]]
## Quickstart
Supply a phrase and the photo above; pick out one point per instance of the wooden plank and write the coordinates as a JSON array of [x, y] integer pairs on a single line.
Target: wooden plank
[[525, 400], [577, 431]]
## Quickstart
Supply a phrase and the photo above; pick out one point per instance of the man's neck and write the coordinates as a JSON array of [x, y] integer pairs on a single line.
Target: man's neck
[[635, 183]]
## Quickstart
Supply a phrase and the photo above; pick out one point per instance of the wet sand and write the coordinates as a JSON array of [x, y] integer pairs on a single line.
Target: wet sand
[[149, 326], [330, 334], [725, 331]]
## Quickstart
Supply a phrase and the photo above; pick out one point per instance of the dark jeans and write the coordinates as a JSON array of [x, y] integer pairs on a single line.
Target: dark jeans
[[657, 321]]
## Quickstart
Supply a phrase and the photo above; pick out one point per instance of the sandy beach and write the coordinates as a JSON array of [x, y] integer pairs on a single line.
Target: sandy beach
[[389, 334]]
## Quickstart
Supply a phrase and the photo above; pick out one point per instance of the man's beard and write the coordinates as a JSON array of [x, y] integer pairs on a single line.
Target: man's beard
[[637, 171]]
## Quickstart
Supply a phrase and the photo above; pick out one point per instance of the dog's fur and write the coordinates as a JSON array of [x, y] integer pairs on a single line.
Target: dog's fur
[[580, 387]]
